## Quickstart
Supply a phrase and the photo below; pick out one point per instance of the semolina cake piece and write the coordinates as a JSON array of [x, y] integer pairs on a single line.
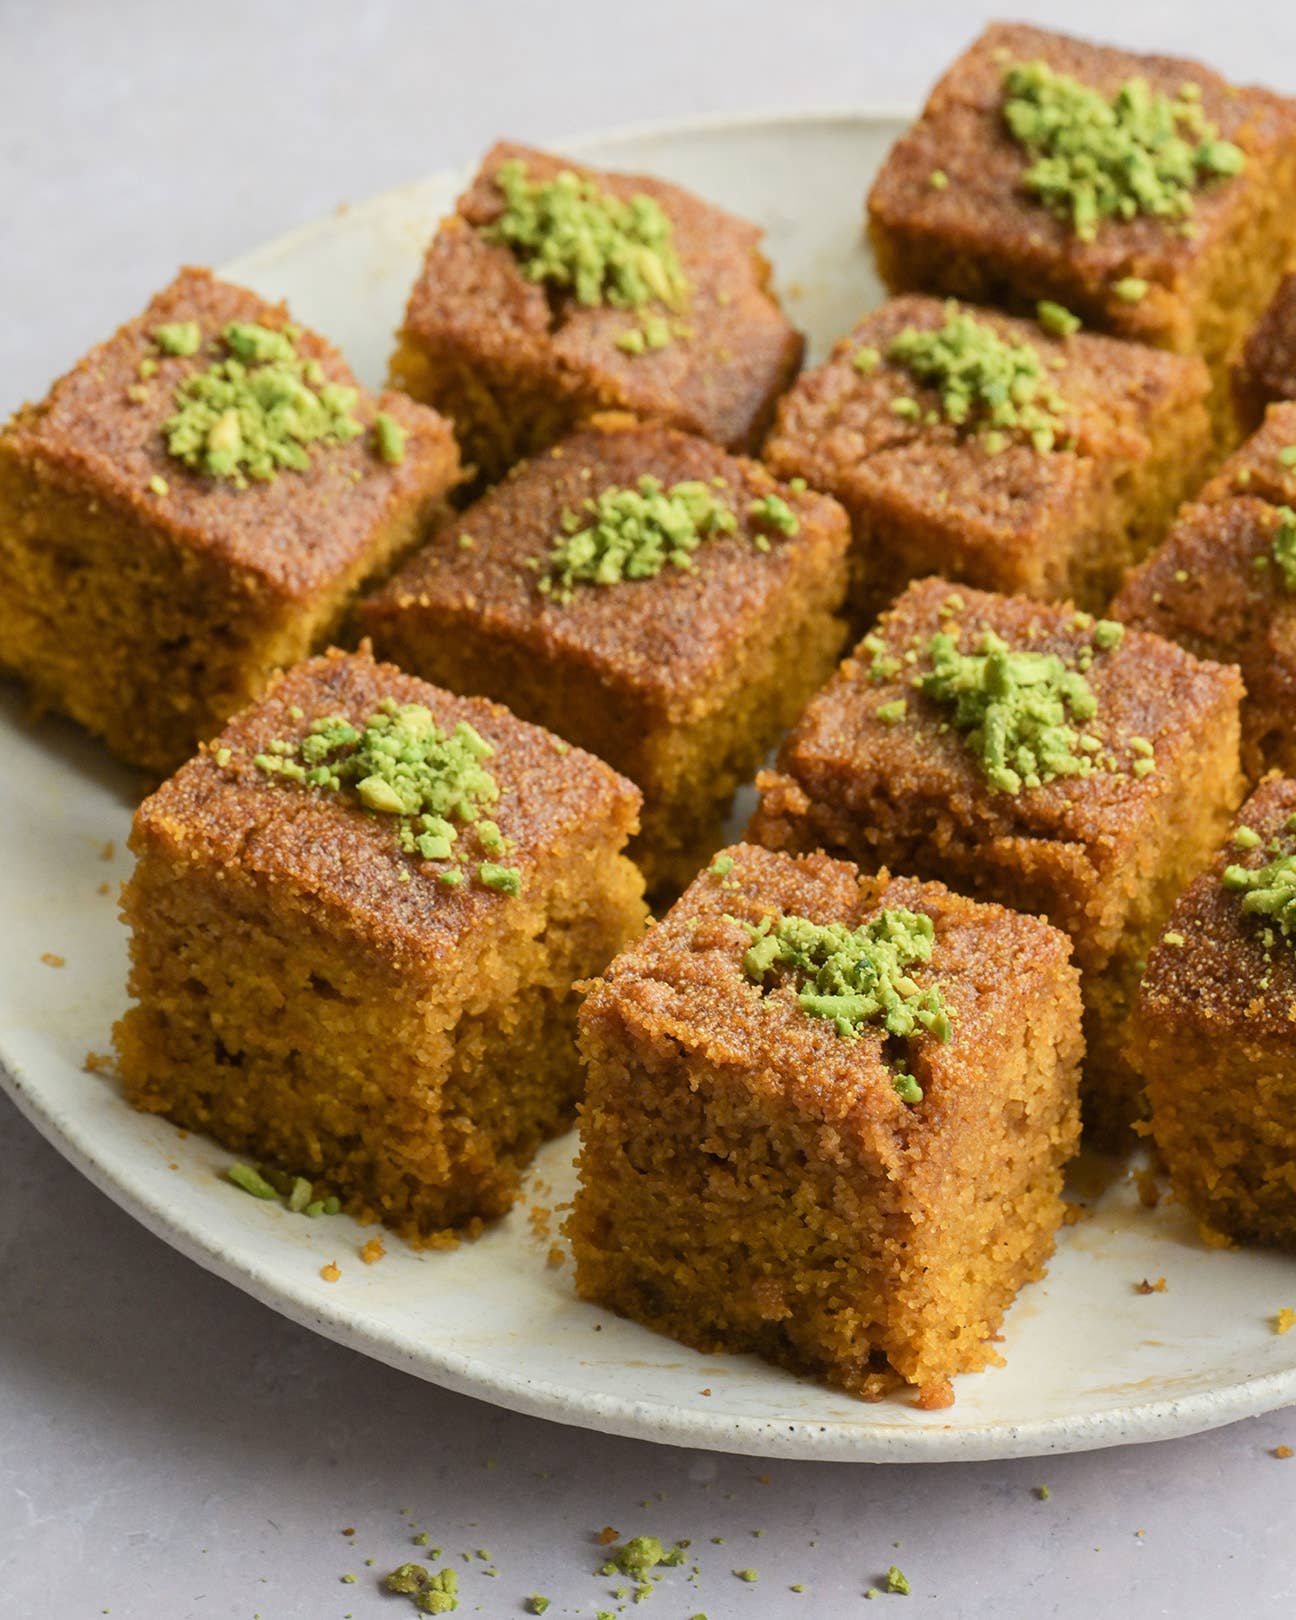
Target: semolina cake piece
[[356, 919], [826, 1119], [1028, 754], [554, 291], [645, 595], [1224, 585], [1212, 1030], [195, 505], [1017, 456], [1144, 193], [1265, 371]]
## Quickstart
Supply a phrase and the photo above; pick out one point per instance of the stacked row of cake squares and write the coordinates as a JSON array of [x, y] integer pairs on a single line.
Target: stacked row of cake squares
[[368, 978]]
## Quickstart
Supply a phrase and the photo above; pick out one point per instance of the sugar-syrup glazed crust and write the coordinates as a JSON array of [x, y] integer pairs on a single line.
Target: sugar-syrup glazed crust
[[927, 494], [292, 534], [344, 861], [1214, 588], [1212, 981], [1007, 244], [472, 303], [660, 637], [684, 982]]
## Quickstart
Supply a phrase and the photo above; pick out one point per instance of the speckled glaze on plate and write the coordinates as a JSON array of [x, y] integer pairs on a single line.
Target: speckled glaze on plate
[[1090, 1360]]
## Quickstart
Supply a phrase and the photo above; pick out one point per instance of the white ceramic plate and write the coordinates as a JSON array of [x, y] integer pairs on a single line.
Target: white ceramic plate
[[1090, 1362]]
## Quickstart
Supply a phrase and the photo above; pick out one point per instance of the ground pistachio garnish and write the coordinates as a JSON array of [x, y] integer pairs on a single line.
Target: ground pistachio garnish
[[1268, 891], [629, 534], [1093, 158], [400, 763], [259, 409], [986, 382], [297, 1193], [1020, 711], [432, 1593], [1283, 547], [897, 1581], [855, 977], [572, 234], [772, 511], [1287, 455], [178, 337], [1056, 318], [390, 437]]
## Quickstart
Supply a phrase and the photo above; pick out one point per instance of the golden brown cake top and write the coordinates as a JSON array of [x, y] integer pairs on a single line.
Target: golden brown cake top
[[1220, 965], [1217, 583], [729, 345], [101, 429], [846, 424], [1267, 368], [1265, 465], [224, 811], [685, 983], [984, 210], [1151, 705], [664, 634]]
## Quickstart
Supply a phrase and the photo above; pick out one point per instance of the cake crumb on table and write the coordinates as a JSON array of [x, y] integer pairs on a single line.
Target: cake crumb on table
[[373, 1251], [1146, 1287], [1285, 1320], [331, 1272], [52, 959], [1281, 1452]]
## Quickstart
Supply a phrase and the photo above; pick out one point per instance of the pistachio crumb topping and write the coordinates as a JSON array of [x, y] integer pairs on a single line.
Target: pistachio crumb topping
[[259, 409], [896, 1581], [985, 381], [1283, 547], [866, 359], [1130, 289], [390, 437], [855, 977], [298, 1195], [938, 180], [1267, 891], [569, 232], [631, 534], [1092, 158], [1015, 709], [1056, 318], [1287, 455], [178, 337], [400, 763], [772, 511]]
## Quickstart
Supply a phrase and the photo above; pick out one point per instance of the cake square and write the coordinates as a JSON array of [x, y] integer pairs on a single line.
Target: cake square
[[356, 920], [680, 667], [1224, 585], [1017, 458], [1212, 1030], [1145, 193], [1265, 371], [1027, 754], [826, 1119], [194, 505], [556, 290]]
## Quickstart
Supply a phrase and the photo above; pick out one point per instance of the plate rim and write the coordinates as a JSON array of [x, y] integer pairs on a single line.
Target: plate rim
[[868, 1440]]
